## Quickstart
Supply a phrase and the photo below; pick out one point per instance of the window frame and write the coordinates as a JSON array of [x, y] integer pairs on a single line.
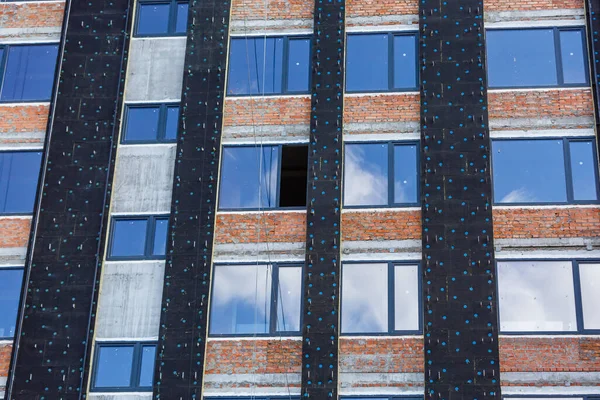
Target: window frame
[[391, 299], [278, 188], [135, 367], [557, 54], [391, 61], [162, 122], [274, 282], [391, 173], [13, 268], [172, 19], [149, 239], [575, 262], [4, 62], [568, 170], [37, 186], [284, 64]]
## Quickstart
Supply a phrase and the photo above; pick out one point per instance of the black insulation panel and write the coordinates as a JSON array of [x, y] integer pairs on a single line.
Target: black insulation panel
[[320, 329], [55, 327], [179, 369], [459, 280], [592, 10]]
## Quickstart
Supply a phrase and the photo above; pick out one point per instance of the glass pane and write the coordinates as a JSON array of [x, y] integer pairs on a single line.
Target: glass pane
[[583, 167], [19, 173], [248, 180], [536, 296], [518, 58], [367, 63], [573, 58], [405, 62], [160, 237], [366, 174], [142, 124], [529, 171], [365, 298], [129, 238], [406, 297], [298, 65], [589, 276], [246, 60], [153, 19], [182, 16], [289, 299], [241, 301], [114, 366], [29, 73], [172, 123], [10, 290], [147, 367], [405, 174]]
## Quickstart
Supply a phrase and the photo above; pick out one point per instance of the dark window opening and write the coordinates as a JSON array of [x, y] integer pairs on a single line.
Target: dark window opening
[[294, 170]]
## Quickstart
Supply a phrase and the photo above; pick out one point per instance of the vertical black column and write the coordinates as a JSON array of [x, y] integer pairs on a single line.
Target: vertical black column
[[459, 282], [320, 328], [180, 360], [56, 325], [592, 11]]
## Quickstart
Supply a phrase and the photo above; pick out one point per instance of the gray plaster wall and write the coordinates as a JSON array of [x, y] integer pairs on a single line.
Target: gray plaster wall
[[143, 179], [121, 396], [130, 298], [155, 70]]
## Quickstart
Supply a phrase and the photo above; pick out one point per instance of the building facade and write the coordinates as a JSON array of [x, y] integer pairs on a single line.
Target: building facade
[[289, 198]]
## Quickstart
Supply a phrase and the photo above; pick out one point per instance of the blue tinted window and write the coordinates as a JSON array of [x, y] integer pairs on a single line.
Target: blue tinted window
[[182, 16], [29, 73], [147, 366], [114, 366], [405, 62], [573, 57], [583, 170], [298, 65], [153, 19], [172, 123], [19, 172], [289, 299], [367, 62], [160, 237], [529, 171], [249, 177], [10, 290], [405, 174], [142, 124], [246, 59], [129, 238], [366, 174]]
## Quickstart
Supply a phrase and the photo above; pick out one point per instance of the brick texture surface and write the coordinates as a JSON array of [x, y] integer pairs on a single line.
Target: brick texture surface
[[31, 15], [381, 108], [541, 103], [371, 8], [267, 227], [390, 355], [276, 9], [14, 232], [5, 353], [23, 118], [381, 225], [531, 5], [270, 111]]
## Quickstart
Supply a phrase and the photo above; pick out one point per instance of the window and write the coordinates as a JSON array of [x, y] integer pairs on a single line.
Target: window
[[11, 280], [19, 173], [381, 174], [267, 177], [151, 123], [137, 238], [381, 62], [380, 298], [27, 72], [162, 18], [287, 61], [256, 299], [124, 367], [557, 296], [536, 57], [544, 171]]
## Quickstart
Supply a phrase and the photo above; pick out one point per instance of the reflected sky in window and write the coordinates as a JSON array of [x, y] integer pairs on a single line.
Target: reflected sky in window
[[160, 237], [367, 62], [19, 173], [182, 16], [583, 169], [589, 275], [243, 173], [536, 296], [241, 299], [29, 73], [153, 19], [405, 62], [246, 60], [406, 297], [364, 298], [366, 174], [129, 237], [10, 290], [172, 123], [405, 174], [573, 57], [298, 65], [289, 299], [529, 171], [142, 124], [147, 366], [115, 365]]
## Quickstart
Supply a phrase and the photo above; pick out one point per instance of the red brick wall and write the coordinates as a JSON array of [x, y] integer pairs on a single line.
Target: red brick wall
[[525, 5], [389, 355], [382, 108], [381, 225], [276, 9], [14, 232], [368, 8], [541, 103], [5, 354], [23, 118], [274, 227], [31, 15], [270, 111]]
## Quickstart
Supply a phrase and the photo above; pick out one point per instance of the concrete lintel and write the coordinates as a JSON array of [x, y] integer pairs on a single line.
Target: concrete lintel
[[541, 123], [381, 127], [266, 134], [121, 396], [272, 27], [265, 252], [30, 35], [379, 249], [382, 22], [554, 378], [13, 256], [529, 15]]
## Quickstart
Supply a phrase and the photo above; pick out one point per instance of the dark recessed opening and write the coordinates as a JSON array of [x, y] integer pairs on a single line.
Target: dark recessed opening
[[294, 173]]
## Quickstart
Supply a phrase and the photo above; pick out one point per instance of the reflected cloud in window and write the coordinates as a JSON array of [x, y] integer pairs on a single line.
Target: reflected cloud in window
[[366, 174], [589, 275], [364, 298]]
